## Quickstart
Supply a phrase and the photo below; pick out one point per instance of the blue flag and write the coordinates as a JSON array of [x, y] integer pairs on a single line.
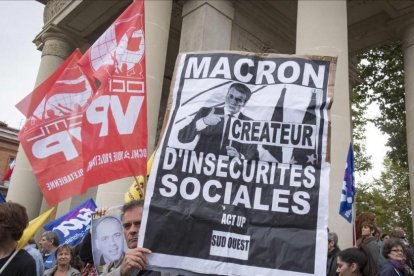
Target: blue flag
[[348, 188], [73, 226], [2, 199]]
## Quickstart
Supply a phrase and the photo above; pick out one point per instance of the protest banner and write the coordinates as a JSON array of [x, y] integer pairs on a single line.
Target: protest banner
[[51, 135], [74, 225], [239, 184], [88, 119], [108, 242], [114, 130]]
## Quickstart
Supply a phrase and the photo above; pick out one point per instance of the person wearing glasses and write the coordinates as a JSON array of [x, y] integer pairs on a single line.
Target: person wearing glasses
[[211, 126], [394, 252], [399, 234]]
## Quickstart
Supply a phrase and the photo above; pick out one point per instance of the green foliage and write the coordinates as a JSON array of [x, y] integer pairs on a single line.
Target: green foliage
[[388, 199], [381, 71]]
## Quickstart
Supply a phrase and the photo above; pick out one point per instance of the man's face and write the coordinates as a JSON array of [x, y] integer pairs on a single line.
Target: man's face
[[45, 245], [235, 100], [109, 239], [132, 222]]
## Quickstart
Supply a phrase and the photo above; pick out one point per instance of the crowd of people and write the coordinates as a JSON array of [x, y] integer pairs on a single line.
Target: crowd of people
[[375, 254], [49, 258]]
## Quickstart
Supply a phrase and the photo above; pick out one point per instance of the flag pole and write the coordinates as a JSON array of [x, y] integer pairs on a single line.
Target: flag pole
[[8, 261]]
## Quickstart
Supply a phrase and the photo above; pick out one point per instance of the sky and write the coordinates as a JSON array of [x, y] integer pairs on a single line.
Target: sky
[[22, 20]]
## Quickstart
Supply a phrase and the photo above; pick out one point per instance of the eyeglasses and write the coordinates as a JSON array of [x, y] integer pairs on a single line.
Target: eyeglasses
[[397, 250], [238, 100]]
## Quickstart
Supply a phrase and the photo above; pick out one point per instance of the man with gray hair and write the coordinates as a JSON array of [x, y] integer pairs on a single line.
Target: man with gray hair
[[333, 251], [48, 244]]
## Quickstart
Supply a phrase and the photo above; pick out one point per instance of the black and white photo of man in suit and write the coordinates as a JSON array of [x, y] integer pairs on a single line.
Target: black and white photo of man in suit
[[211, 126]]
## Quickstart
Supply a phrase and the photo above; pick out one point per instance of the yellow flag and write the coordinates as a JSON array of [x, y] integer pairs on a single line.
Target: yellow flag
[[149, 162], [31, 229], [137, 189]]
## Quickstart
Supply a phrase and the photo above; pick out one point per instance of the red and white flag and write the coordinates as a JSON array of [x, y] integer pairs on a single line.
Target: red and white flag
[[114, 130], [51, 136], [8, 173], [78, 135]]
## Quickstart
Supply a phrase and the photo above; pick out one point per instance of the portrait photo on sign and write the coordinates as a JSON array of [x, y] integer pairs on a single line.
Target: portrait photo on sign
[[242, 168], [108, 242]]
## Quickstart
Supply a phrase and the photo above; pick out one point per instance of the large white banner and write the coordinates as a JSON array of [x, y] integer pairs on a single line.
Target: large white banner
[[239, 185]]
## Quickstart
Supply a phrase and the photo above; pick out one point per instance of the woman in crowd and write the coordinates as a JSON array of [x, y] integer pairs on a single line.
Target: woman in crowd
[[64, 256], [371, 248], [351, 262], [393, 251]]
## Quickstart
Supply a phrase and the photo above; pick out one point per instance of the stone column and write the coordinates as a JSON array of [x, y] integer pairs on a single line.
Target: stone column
[[206, 25], [408, 51], [24, 188], [322, 30], [157, 27]]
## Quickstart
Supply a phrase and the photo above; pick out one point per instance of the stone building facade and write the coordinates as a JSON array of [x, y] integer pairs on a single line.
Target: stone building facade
[[339, 28], [9, 144]]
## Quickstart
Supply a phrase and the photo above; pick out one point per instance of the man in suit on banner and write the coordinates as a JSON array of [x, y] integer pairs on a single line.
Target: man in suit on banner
[[211, 126]]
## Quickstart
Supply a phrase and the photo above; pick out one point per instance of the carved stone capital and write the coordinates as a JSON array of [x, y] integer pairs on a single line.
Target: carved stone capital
[[56, 44], [52, 8]]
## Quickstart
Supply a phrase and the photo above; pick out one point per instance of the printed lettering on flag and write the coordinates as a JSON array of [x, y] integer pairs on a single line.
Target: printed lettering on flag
[[51, 136], [348, 188], [114, 131], [74, 225]]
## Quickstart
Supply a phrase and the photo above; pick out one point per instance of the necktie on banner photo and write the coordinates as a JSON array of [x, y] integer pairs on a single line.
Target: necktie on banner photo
[[348, 189], [225, 141]]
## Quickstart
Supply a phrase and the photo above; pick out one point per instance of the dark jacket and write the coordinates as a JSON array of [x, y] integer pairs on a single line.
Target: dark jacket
[[371, 249], [331, 263], [392, 268], [212, 139]]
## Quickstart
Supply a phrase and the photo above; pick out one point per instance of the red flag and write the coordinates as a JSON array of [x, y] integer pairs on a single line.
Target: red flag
[[8, 173], [51, 136], [114, 128]]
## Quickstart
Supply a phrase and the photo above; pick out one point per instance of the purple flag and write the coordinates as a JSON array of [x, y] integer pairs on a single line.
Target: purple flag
[[348, 188]]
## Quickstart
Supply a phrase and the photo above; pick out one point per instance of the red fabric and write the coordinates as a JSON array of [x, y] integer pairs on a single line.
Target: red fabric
[[51, 135], [77, 135], [114, 131], [8, 173]]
